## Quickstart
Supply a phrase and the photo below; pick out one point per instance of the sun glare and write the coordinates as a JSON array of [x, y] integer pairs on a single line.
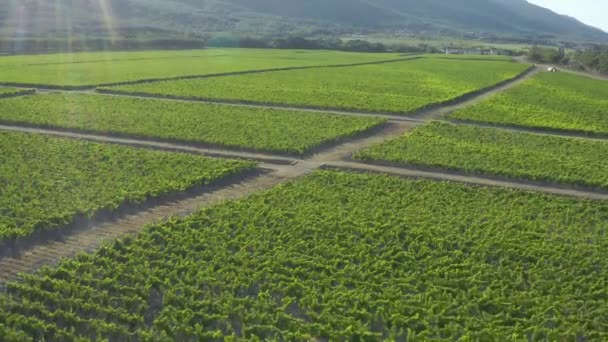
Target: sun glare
[[58, 19], [106, 11]]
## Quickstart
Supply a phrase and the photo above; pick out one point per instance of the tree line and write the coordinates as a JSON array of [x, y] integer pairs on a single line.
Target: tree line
[[18, 46], [593, 59], [301, 43]]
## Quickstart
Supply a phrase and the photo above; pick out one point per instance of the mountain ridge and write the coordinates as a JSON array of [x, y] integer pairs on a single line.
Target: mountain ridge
[[504, 18]]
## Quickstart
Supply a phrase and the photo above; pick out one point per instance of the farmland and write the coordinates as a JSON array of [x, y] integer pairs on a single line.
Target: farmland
[[399, 87], [47, 182], [335, 255], [108, 242], [559, 101], [80, 57], [227, 126], [492, 151], [102, 68], [305, 56]]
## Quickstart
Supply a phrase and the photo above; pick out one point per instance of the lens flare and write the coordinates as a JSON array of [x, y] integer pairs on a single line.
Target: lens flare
[[45, 22], [106, 12]]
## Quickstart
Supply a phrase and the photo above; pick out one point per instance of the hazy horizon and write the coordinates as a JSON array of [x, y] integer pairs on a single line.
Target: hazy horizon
[[590, 12]]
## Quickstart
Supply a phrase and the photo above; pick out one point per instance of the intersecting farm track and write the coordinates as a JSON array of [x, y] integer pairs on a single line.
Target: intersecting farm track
[[274, 169]]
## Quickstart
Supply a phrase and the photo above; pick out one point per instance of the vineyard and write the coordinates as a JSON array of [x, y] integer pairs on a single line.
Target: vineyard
[[496, 152], [101, 68], [395, 197], [399, 87], [103, 56], [236, 127], [47, 182], [335, 255], [551, 100]]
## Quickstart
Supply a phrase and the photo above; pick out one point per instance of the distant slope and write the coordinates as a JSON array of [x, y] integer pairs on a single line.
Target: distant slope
[[507, 18]]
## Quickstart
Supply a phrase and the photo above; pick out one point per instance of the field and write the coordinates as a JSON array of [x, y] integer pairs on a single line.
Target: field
[[228, 126], [498, 152], [559, 101], [103, 56], [297, 248], [89, 69], [47, 182], [399, 87], [337, 256]]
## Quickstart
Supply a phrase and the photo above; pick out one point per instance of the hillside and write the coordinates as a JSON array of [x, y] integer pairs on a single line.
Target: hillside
[[504, 18]]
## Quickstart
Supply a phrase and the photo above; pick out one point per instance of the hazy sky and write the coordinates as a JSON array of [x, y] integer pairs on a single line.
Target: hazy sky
[[592, 12]]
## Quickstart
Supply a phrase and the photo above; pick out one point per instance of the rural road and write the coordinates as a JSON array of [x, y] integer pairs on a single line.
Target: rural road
[[274, 170]]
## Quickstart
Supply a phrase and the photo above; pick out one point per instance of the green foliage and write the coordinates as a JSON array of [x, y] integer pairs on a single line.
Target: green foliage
[[229, 126], [547, 55], [498, 152], [110, 67], [550, 100], [297, 42], [339, 256], [45, 182], [397, 87], [9, 91], [594, 59]]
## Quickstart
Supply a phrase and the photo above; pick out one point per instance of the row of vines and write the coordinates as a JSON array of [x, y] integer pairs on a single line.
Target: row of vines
[[337, 256]]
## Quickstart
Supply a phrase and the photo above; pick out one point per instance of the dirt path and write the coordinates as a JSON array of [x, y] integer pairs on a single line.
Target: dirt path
[[475, 98], [246, 104], [31, 259], [152, 144], [561, 68], [282, 169], [538, 131], [468, 179]]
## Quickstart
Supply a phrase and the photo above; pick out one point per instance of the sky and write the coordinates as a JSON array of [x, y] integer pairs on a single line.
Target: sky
[[591, 12]]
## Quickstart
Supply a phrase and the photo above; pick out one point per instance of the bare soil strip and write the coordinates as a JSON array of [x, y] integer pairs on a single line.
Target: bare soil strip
[[49, 252], [474, 97], [468, 179], [426, 113], [283, 169], [152, 144], [539, 131], [597, 76], [252, 104], [88, 238]]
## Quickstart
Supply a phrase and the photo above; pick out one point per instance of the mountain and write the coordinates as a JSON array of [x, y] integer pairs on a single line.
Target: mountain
[[73, 18]]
